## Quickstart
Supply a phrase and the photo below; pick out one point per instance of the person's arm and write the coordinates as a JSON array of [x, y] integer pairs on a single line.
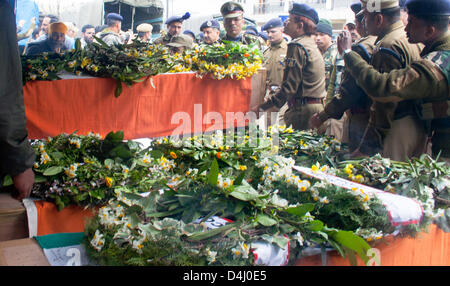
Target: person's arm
[[292, 78], [16, 154]]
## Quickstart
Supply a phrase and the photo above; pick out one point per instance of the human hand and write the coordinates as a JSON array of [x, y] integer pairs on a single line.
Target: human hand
[[23, 182], [314, 121], [344, 41]]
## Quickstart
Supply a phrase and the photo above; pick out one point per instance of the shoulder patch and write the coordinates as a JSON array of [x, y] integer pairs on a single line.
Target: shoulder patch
[[441, 59]]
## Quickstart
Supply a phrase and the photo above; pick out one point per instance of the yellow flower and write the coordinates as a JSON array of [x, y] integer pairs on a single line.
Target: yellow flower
[[173, 155], [359, 178], [109, 182], [243, 168], [314, 168]]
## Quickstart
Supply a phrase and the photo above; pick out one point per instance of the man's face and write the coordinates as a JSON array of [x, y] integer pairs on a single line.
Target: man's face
[[45, 24], [370, 23], [174, 28], [176, 50], [88, 35], [323, 41], [291, 27], [233, 26], [57, 39], [275, 34], [415, 30], [210, 35]]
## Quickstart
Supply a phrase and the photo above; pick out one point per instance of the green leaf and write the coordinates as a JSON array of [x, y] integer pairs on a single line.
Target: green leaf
[[213, 174], [315, 225], [265, 220], [55, 170], [353, 242], [301, 210], [239, 179], [115, 137], [210, 233], [7, 181], [245, 193]]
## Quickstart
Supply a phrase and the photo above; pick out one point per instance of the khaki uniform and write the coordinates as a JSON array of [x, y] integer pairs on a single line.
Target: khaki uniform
[[393, 51], [273, 62], [352, 102], [426, 80], [16, 153], [303, 86]]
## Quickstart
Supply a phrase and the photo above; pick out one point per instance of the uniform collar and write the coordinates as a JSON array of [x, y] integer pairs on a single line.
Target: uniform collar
[[442, 43], [394, 27], [237, 39], [279, 44]]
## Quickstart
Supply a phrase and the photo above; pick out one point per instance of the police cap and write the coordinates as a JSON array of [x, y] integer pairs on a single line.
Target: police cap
[[231, 9], [428, 7], [210, 24], [180, 19], [114, 16], [273, 23], [304, 10]]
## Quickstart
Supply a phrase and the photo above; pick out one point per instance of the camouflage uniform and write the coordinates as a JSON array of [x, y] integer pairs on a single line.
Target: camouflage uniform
[[334, 66], [426, 80], [303, 84], [163, 40], [352, 102], [390, 121]]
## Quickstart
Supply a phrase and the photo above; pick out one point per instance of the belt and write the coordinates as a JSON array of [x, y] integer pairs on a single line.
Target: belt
[[304, 100]]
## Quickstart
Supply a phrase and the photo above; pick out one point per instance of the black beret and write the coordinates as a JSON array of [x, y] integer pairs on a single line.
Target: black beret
[[172, 19], [304, 10], [251, 30], [210, 24], [428, 7], [273, 23], [114, 16]]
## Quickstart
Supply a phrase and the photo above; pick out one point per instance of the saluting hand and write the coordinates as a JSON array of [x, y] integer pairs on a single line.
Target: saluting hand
[[344, 41]]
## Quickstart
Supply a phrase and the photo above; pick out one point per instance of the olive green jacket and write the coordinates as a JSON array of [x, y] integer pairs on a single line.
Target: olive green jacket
[[16, 154], [350, 95], [304, 73]]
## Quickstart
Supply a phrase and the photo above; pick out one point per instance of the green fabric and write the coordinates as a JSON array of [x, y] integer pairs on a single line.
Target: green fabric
[[59, 240]]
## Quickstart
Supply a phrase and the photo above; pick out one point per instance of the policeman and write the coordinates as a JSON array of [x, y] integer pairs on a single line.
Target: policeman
[[351, 99], [273, 61], [211, 32], [426, 79], [111, 35], [400, 134], [233, 21], [145, 32], [174, 27], [303, 85]]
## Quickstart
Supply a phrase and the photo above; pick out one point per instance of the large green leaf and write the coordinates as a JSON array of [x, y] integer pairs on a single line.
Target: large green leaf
[[353, 242], [55, 170], [301, 210], [213, 174], [245, 193], [265, 220]]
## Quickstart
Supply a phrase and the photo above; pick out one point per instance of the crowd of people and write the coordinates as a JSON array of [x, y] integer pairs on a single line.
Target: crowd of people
[[381, 85]]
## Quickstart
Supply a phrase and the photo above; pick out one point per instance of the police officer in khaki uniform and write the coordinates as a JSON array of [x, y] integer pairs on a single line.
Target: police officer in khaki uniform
[[174, 27], [399, 132], [211, 32], [145, 32], [273, 62], [303, 85], [426, 80], [351, 99], [233, 21]]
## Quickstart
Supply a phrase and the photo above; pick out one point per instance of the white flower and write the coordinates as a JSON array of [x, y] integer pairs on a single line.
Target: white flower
[[299, 238], [241, 250], [98, 241]]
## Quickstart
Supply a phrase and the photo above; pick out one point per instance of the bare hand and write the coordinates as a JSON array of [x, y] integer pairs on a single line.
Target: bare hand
[[24, 183], [314, 121], [344, 41]]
